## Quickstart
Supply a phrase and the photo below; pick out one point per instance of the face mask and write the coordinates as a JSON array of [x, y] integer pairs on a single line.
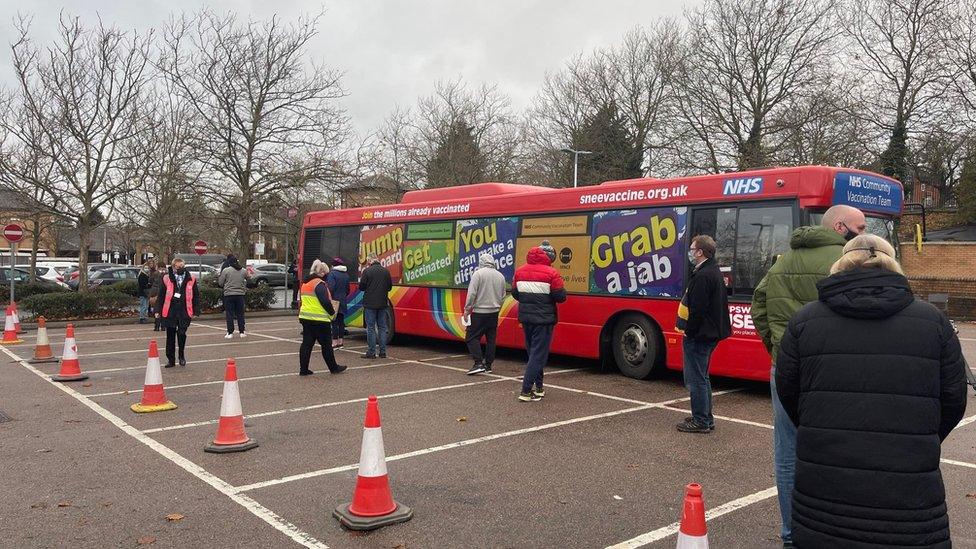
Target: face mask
[[848, 233], [180, 271], [691, 256]]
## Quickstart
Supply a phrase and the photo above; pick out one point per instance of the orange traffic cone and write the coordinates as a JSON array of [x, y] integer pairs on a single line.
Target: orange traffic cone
[[372, 503], [13, 305], [9, 331], [230, 428], [692, 534], [70, 367], [42, 349], [153, 396]]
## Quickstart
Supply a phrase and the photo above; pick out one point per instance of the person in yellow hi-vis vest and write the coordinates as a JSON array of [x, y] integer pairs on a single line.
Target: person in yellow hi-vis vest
[[316, 315]]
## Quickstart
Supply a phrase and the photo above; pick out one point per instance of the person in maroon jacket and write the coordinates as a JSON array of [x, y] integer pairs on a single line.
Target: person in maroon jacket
[[537, 287]]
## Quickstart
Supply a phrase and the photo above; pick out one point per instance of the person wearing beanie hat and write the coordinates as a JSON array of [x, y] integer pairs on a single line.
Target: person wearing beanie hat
[[486, 291], [338, 282], [538, 287]]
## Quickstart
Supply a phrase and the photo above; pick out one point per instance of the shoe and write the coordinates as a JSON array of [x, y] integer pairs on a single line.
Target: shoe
[[155, 328], [691, 419], [243, 335], [477, 369], [335, 344], [182, 362], [529, 397], [306, 373], [694, 427], [540, 392], [228, 336], [382, 355], [339, 369], [487, 368], [169, 365], [367, 355]]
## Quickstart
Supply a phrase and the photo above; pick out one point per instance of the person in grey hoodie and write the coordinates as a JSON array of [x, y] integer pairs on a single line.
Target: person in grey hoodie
[[486, 291], [233, 279]]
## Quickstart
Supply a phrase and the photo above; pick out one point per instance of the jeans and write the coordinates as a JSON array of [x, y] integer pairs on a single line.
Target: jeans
[[482, 324], [312, 332], [537, 340], [375, 318], [143, 307], [784, 457], [338, 325], [696, 355], [234, 309]]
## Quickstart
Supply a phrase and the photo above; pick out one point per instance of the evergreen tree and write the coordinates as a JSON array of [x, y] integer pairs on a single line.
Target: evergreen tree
[[615, 156], [966, 187], [894, 160], [458, 159]]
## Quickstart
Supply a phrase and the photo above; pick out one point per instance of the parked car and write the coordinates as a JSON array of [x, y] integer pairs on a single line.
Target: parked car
[[113, 275], [46, 273], [22, 276], [92, 268], [272, 274]]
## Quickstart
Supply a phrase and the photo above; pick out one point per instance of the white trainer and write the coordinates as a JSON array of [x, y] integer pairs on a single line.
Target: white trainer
[[243, 335], [228, 336]]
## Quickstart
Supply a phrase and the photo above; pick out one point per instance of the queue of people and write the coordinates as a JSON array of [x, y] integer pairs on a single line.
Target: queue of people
[[866, 381]]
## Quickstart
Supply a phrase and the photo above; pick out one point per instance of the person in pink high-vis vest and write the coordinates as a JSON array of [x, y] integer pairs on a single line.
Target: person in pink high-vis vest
[[177, 302]]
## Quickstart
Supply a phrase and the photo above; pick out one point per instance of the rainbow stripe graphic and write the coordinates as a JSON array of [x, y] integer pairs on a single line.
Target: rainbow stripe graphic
[[447, 305], [354, 309], [507, 304]]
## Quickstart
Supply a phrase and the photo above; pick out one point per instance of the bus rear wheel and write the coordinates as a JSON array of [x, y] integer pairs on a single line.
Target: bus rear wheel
[[635, 343]]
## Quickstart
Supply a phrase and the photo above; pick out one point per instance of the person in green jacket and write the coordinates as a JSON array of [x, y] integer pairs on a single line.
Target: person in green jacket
[[790, 284]]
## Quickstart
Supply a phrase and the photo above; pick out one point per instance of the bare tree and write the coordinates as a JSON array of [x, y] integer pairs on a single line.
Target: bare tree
[[81, 119], [745, 63], [265, 120], [901, 51], [961, 45], [455, 129]]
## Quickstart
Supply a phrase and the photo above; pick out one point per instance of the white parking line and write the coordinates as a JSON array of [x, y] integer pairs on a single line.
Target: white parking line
[[189, 362], [672, 529], [255, 508], [222, 344], [966, 421], [449, 446], [145, 337], [252, 378], [323, 405]]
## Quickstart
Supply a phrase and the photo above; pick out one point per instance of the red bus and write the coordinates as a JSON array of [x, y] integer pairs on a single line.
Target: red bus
[[621, 249]]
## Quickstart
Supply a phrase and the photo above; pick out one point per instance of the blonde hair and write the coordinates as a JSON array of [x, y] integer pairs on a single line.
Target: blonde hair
[[869, 251], [177, 260], [319, 268]]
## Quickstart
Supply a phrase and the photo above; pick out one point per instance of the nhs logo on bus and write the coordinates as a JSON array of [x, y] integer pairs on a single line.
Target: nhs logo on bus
[[743, 185]]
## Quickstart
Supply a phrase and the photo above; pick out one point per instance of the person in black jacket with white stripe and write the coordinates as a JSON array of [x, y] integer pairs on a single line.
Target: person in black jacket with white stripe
[[874, 380]]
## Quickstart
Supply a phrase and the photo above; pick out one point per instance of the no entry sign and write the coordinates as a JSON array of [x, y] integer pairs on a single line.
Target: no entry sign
[[13, 232], [200, 247]]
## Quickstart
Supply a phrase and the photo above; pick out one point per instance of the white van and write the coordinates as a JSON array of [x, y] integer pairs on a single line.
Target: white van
[[54, 272]]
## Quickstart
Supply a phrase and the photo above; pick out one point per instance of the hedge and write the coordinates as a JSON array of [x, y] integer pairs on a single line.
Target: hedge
[[74, 305], [23, 290]]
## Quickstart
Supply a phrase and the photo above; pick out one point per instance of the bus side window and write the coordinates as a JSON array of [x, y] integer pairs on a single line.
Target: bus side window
[[718, 223], [763, 233]]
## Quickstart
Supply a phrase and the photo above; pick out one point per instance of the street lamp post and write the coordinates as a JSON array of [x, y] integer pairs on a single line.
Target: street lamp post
[[575, 154]]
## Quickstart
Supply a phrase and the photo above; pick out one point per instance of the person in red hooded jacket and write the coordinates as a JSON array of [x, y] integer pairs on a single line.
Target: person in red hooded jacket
[[538, 288]]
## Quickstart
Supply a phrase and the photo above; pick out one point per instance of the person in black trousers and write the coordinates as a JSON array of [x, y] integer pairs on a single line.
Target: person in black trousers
[[316, 315], [179, 302], [338, 281]]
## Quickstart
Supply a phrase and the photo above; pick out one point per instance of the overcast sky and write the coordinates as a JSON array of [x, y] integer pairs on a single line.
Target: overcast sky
[[392, 52]]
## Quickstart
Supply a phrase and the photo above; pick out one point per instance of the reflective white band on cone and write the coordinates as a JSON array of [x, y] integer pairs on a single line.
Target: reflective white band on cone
[[230, 404], [691, 542], [153, 374], [70, 350], [372, 459]]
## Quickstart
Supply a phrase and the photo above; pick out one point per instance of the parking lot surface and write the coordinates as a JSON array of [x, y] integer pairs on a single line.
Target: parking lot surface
[[596, 463]]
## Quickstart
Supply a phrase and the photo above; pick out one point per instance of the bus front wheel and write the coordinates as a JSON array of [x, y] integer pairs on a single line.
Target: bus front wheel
[[635, 344]]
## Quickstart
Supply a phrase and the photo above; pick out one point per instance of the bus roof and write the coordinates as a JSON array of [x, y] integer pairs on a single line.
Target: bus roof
[[813, 186]]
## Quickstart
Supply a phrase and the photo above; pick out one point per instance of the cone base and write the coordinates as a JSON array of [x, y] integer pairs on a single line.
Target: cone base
[[141, 408], [43, 360], [79, 377], [347, 520], [214, 448], [12, 342]]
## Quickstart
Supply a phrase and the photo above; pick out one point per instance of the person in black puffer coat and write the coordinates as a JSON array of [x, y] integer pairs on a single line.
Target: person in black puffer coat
[[874, 380]]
